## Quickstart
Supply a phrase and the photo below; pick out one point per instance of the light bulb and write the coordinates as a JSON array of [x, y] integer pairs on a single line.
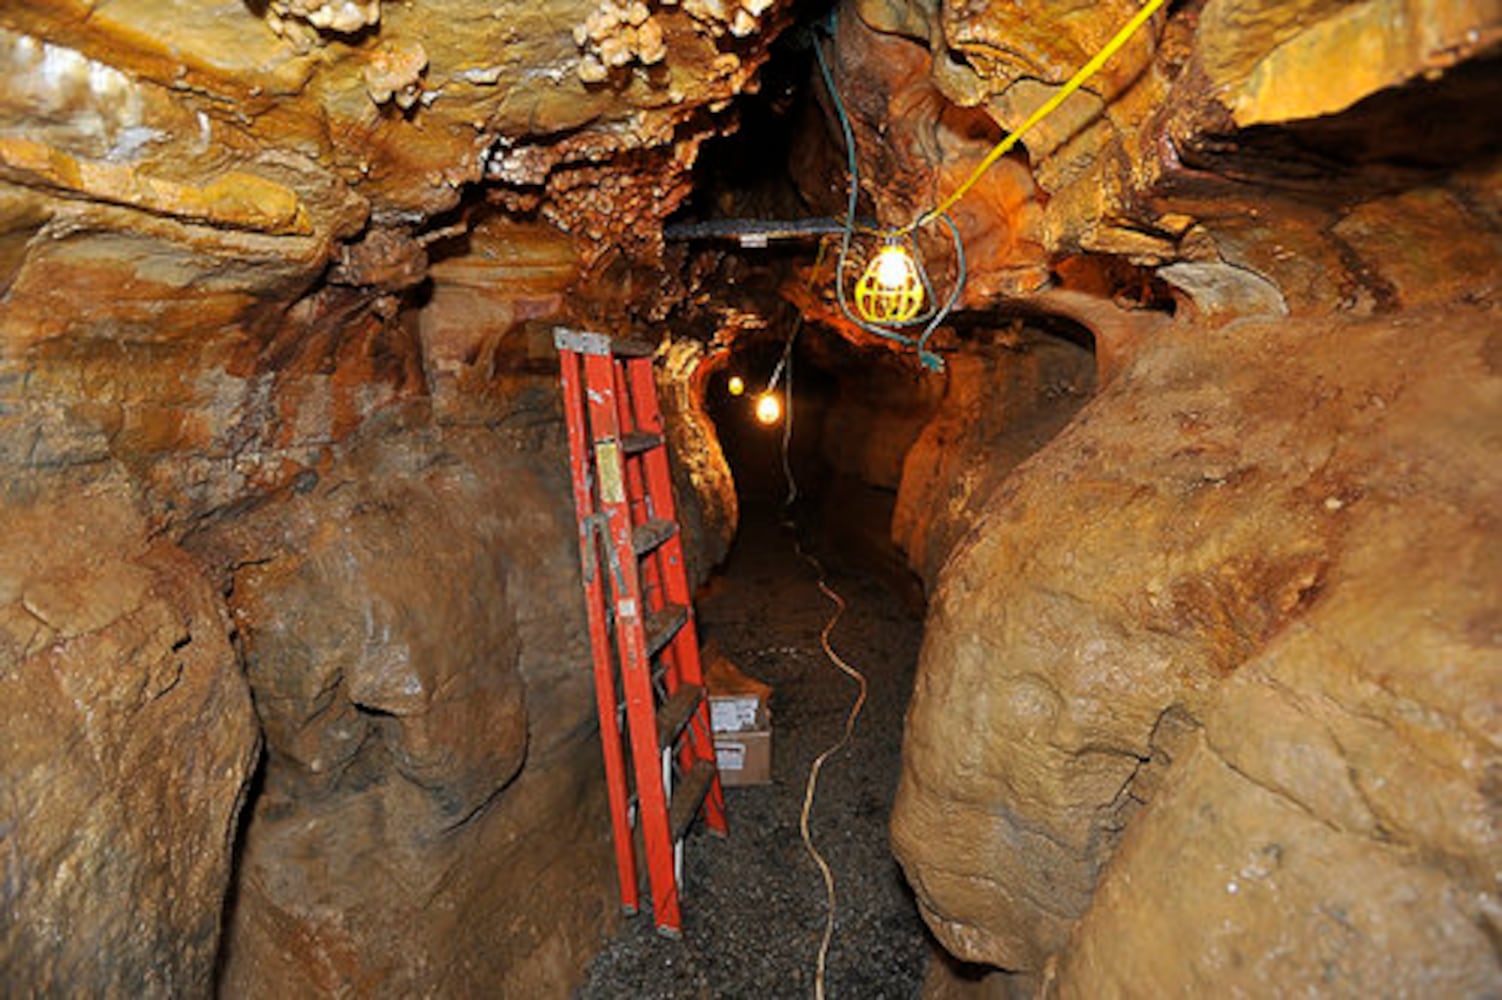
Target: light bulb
[[890, 290], [736, 385], [768, 408], [894, 267]]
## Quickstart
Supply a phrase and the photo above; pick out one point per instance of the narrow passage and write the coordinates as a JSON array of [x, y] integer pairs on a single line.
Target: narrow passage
[[754, 904]]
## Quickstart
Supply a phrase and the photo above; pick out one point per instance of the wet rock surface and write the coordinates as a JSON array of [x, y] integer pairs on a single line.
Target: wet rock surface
[[754, 909]]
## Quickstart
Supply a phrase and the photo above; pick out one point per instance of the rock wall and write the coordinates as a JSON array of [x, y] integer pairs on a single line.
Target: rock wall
[[1004, 397], [872, 422], [1207, 700], [409, 645], [276, 289], [1176, 728], [388, 564], [125, 745], [703, 486]]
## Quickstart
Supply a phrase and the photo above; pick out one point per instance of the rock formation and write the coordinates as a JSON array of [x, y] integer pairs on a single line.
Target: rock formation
[[1179, 745], [127, 743], [403, 672], [1175, 709], [257, 450]]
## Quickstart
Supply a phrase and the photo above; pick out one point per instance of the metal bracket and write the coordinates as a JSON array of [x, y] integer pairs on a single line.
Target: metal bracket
[[600, 523], [581, 341]]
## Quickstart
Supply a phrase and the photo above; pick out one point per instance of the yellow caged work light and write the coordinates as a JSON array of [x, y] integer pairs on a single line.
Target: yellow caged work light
[[890, 290]]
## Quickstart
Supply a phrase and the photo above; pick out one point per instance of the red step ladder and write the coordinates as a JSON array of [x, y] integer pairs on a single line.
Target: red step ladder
[[628, 534]]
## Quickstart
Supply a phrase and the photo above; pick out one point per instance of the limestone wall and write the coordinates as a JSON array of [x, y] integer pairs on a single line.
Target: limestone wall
[[126, 744], [1209, 695], [285, 517], [1207, 701]]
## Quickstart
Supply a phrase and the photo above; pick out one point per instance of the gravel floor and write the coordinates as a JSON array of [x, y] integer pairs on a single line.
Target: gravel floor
[[754, 904]]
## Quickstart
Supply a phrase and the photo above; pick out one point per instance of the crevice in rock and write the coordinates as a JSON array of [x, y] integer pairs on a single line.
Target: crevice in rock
[[250, 794]]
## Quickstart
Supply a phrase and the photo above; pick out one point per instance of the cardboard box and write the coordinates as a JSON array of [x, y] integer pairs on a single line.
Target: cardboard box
[[737, 703], [744, 758], [741, 722], [737, 713]]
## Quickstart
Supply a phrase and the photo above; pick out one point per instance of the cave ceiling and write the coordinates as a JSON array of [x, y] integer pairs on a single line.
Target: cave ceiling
[[210, 163], [240, 147]]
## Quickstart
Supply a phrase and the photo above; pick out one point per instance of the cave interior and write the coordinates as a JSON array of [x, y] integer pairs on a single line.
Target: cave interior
[[1168, 536]]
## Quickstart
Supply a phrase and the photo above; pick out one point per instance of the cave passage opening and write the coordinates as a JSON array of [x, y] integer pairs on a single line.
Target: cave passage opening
[[872, 449], [876, 467], [878, 447], [754, 905], [833, 462]]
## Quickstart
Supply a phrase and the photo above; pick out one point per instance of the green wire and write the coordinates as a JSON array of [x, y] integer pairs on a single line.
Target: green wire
[[930, 360]]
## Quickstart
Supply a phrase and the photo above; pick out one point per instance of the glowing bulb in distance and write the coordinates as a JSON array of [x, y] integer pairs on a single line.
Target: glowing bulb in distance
[[736, 385], [768, 408]]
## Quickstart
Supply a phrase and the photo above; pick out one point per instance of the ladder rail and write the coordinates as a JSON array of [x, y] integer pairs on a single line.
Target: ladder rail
[[641, 709], [652, 503], [637, 401], [672, 570], [592, 568]]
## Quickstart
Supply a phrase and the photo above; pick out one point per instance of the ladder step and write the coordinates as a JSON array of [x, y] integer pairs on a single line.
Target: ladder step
[[628, 347], [688, 796], [637, 442], [673, 714], [648, 535], [662, 625]]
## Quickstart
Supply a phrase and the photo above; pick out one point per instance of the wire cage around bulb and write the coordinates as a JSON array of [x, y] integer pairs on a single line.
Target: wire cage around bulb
[[891, 290]]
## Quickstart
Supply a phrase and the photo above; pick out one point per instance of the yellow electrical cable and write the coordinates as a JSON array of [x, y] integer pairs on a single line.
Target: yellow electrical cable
[[1005, 145]]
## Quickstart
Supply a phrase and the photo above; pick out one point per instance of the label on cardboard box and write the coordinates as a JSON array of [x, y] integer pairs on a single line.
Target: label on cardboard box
[[733, 715], [744, 758], [730, 756]]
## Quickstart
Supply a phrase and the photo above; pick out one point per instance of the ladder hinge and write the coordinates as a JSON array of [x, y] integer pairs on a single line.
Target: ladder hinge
[[600, 523]]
